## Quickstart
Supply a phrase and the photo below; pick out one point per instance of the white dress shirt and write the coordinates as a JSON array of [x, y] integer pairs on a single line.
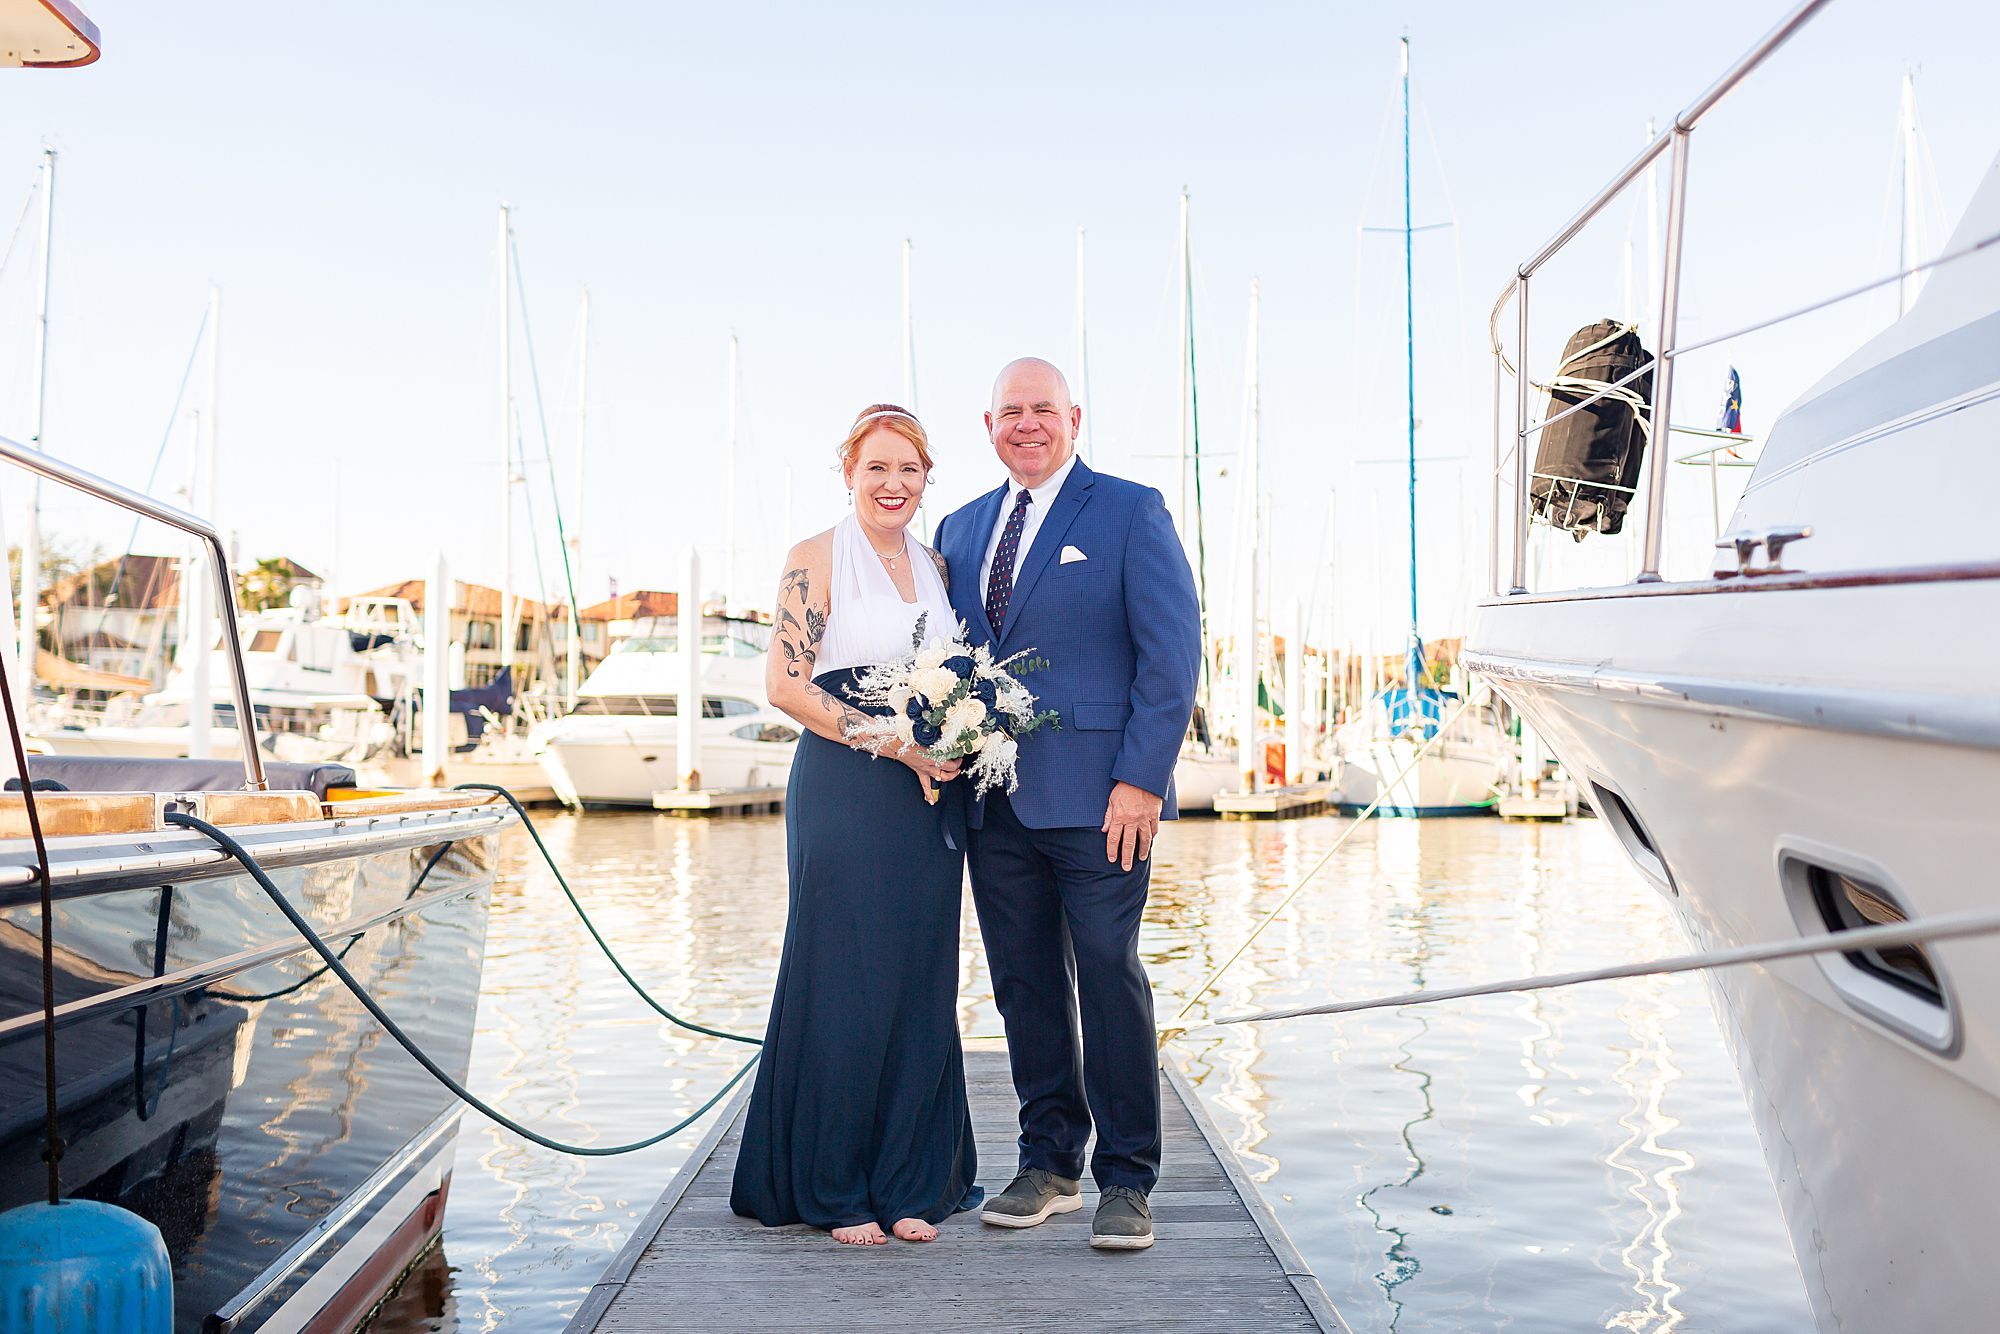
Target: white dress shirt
[[1039, 500]]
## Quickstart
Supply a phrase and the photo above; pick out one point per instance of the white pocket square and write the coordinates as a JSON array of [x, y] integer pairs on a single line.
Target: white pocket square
[[1070, 555]]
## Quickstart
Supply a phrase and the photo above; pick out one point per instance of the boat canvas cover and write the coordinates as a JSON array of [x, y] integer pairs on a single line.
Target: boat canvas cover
[[1587, 464], [64, 674]]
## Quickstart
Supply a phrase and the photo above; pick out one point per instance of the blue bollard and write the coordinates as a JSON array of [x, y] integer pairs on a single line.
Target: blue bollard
[[81, 1267]]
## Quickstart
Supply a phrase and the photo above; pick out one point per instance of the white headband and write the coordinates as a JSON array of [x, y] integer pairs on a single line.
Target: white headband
[[885, 412]]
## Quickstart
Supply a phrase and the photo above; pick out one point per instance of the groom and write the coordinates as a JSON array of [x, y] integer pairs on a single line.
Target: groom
[[1086, 570]]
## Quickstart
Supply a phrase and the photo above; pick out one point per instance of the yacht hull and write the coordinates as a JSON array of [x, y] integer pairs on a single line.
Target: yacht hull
[[1198, 776], [624, 761], [215, 1078], [1720, 781]]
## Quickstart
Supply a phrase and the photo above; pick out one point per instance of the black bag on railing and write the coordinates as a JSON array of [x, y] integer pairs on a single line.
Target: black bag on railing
[[1587, 464]]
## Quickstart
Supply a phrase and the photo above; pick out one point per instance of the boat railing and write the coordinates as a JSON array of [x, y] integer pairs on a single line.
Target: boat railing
[[1672, 143], [76, 479]]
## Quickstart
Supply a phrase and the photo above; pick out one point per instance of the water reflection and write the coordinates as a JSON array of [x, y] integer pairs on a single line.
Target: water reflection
[[1526, 1161]]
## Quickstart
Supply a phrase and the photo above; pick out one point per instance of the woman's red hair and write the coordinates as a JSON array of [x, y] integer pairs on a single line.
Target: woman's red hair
[[884, 417]]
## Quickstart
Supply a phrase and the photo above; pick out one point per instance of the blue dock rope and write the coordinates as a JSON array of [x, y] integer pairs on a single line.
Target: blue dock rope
[[326, 952]]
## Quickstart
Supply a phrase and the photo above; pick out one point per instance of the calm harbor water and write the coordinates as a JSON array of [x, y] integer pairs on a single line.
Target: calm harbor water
[[1572, 1160]]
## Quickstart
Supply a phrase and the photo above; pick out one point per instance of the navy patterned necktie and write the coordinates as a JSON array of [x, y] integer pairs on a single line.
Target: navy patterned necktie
[[1000, 583]]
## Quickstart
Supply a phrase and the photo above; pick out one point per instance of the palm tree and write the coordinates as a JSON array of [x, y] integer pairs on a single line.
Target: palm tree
[[267, 584]]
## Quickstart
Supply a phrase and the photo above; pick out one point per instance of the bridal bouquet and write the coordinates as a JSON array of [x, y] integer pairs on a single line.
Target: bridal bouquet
[[953, 702]]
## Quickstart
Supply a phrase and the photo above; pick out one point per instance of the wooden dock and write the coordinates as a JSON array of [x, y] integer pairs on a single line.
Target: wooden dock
[[1526, 806], [1277, 803], [719, 800], [1221, 1261]]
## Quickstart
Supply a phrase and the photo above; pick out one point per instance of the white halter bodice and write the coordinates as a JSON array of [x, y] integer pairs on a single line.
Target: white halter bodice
[[867, 621]]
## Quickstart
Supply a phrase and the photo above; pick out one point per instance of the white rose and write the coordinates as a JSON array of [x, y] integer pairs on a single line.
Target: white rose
[[933, 682], [932, 655], [964, 716]]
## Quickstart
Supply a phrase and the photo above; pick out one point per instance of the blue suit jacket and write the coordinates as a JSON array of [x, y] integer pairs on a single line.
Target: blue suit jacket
[[1120, 629]]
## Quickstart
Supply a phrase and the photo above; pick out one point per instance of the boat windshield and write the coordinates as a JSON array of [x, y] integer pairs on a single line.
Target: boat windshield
[[729, 639]]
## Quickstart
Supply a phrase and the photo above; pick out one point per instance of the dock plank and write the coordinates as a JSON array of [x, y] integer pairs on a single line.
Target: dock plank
[[1222, 1262]]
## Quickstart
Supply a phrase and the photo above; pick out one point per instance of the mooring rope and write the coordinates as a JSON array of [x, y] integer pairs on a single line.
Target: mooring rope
[[549, 860], [1946, 926], [52, 1145], [216, 993], [1174, 1025], [312, 937]]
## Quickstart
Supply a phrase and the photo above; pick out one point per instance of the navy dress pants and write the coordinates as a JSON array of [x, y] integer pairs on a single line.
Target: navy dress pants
[[1062, 933]]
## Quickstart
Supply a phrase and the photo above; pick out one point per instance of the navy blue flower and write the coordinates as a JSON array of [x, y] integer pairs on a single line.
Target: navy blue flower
[[959, 665], [914, 710], [986, 693], [926, 734]]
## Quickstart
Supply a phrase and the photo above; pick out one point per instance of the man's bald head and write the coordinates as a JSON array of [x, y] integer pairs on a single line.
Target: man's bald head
[[1033, 424], [1031, 374]]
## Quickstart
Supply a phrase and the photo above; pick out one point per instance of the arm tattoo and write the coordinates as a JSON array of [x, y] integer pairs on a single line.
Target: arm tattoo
[[944, 571], [797, 641]]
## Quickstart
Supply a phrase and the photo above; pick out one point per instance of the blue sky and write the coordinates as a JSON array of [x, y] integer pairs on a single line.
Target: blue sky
[[754, 168]]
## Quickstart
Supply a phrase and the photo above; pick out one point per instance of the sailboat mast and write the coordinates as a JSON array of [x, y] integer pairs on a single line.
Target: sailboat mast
[[729, 489], [909, 337], [1249, 762], [1083, 351], [31, 534], [1187, 361], [1912, 222], [1191, 425], [1652, 234], [201, 694], [506, 644], [1410, 378], [573, 664]]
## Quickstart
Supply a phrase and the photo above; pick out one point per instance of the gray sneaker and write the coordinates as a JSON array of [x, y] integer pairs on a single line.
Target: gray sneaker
[[1124, 1220], [1030, 1198]]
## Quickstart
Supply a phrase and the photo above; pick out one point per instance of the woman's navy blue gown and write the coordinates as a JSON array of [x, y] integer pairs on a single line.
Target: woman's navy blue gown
[[859, 1112]]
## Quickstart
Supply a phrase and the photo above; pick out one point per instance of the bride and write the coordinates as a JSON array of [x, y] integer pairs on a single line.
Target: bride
[[858, 1120]]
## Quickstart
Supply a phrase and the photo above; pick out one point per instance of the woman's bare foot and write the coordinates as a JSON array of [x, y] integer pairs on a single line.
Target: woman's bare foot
[[914, 1229], [862, 1234]]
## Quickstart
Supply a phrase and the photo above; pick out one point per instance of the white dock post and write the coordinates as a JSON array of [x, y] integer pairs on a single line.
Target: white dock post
[[687, 712], [437, 674], [1295, 699]]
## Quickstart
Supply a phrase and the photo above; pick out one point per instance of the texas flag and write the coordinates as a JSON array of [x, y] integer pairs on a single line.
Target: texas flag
[[1732, 405]]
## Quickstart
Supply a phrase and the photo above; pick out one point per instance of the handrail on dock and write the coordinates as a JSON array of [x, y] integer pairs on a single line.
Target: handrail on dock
[[134, 502]]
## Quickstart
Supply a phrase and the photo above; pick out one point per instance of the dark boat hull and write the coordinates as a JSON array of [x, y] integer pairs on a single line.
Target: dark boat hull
[[215, 1078]]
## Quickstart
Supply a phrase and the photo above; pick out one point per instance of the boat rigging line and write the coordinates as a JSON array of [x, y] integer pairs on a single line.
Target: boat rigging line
[[1756, 326], [549, 860], [548, 447], [243, 857], [1174, 1027], [1944, 926], [153, 473], [52, 1145]]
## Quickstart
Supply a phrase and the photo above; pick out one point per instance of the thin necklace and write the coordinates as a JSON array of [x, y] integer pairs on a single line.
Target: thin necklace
[[899, 554]]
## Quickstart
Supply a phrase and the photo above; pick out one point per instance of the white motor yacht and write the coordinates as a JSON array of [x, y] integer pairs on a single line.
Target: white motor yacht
[[620, 744], [317, 684], [1807, 740]]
